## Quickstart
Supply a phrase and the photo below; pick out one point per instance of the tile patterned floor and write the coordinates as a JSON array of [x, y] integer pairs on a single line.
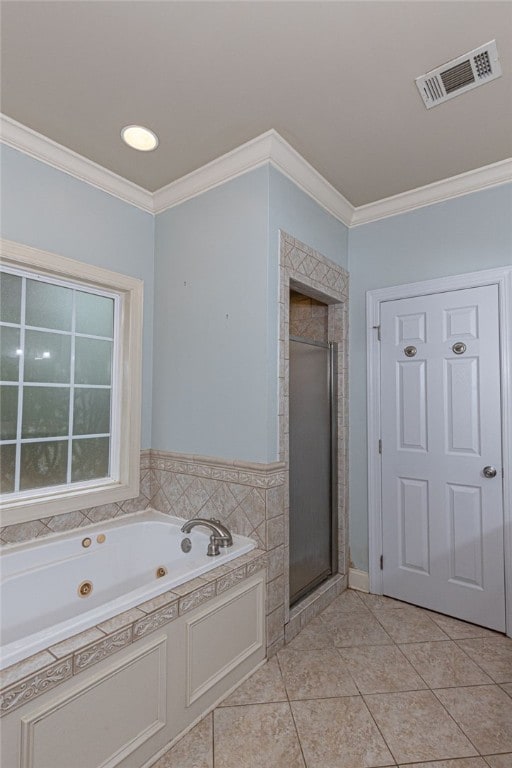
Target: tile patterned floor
[[371, 682]]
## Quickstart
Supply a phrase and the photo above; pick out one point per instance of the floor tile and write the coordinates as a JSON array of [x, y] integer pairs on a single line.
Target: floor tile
[[381, 602], [256, 735], [350, 648], [493, 654], [409, 626], [339, 733], [380, 669], [194, 750], [459, 762], [315, 635], [348, 602], [444, 664], [500, 761], [457, 629], [484, 713], [315, 674], [263, 686], [416, 727], [350, 629]]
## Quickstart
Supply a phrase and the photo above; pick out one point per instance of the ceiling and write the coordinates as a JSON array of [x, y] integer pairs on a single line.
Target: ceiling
[[335, 79]]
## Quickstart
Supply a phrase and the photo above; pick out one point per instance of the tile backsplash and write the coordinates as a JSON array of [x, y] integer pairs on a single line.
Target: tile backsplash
[[236, 493]]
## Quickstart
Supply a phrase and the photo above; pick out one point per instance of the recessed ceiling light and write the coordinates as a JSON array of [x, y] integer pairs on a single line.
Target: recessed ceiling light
[[138, 137]]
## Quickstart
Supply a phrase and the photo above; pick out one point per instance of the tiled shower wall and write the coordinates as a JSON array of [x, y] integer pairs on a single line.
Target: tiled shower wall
[[309, 318]]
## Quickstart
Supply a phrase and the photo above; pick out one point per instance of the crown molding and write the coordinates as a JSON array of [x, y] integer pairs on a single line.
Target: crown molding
[[456, 186], [48, 151], [287, 160], [238, 161], [270, 147]]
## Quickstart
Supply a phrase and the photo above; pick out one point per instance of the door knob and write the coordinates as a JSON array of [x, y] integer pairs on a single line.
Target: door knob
[[489, 471]]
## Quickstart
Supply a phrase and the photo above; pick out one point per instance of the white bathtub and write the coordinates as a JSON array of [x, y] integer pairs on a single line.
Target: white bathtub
[[40, 604]]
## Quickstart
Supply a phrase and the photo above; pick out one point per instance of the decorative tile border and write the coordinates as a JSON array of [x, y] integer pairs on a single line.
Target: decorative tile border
[[155, 620], [305, 270], [101, 649], [136, 623], [240, 472], [197, 597], [27, 689], [231, 579]]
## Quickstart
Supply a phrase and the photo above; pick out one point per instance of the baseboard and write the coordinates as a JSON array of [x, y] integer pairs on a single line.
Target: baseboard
[[359, 580]]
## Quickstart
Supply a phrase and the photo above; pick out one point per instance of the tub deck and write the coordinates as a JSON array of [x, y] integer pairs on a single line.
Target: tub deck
[[69, 583], [24, 680]]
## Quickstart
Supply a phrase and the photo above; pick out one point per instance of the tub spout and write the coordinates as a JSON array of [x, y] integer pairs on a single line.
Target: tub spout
[[220, 536]]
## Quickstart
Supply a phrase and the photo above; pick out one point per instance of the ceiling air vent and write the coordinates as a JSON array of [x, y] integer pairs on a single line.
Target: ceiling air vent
[[475, 68]]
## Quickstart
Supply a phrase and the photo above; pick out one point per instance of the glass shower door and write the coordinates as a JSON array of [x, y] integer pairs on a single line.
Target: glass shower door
[[311, 465]]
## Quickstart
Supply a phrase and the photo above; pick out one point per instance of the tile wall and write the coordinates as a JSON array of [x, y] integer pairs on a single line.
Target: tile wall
[[309, 318], [248, 498]]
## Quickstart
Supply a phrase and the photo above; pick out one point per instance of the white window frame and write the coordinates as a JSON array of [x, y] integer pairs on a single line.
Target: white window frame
[[126, 402]]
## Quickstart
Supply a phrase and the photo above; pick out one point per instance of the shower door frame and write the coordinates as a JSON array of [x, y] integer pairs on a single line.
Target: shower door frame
[[305, 270]]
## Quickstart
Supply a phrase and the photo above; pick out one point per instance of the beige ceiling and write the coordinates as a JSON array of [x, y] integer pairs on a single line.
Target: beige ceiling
[[335, 79]]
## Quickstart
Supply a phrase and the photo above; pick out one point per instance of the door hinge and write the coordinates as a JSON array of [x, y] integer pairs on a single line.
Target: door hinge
[[380, 445], [382, 562], [377, 328]]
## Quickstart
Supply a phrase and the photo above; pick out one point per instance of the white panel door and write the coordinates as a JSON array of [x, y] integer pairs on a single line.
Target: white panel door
[[441, 427]]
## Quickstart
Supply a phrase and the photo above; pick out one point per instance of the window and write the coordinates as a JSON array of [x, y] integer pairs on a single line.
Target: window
[[69, 389]]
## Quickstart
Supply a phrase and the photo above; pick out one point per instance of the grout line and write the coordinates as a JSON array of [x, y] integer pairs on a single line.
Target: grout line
[[459, 726], [362, 696], [478, 664], [395, 758], [213, 736], [297, 732]]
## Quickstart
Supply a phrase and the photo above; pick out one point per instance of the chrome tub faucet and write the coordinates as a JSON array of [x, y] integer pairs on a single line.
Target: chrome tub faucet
[[220, 536]]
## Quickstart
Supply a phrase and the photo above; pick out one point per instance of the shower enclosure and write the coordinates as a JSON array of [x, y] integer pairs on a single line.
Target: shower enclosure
[[313, 518]]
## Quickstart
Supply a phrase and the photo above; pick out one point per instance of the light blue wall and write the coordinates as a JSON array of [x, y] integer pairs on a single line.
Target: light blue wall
[[215, 377], [210, 334], [50, 210], [466, 234], [297, 213], [214, 386], [294, 212]]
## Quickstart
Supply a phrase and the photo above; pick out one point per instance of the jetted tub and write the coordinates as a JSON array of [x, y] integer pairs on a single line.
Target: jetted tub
[[42, 582]]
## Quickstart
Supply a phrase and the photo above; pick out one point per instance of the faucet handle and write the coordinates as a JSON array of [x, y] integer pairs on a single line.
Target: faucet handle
[[213, 546]]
